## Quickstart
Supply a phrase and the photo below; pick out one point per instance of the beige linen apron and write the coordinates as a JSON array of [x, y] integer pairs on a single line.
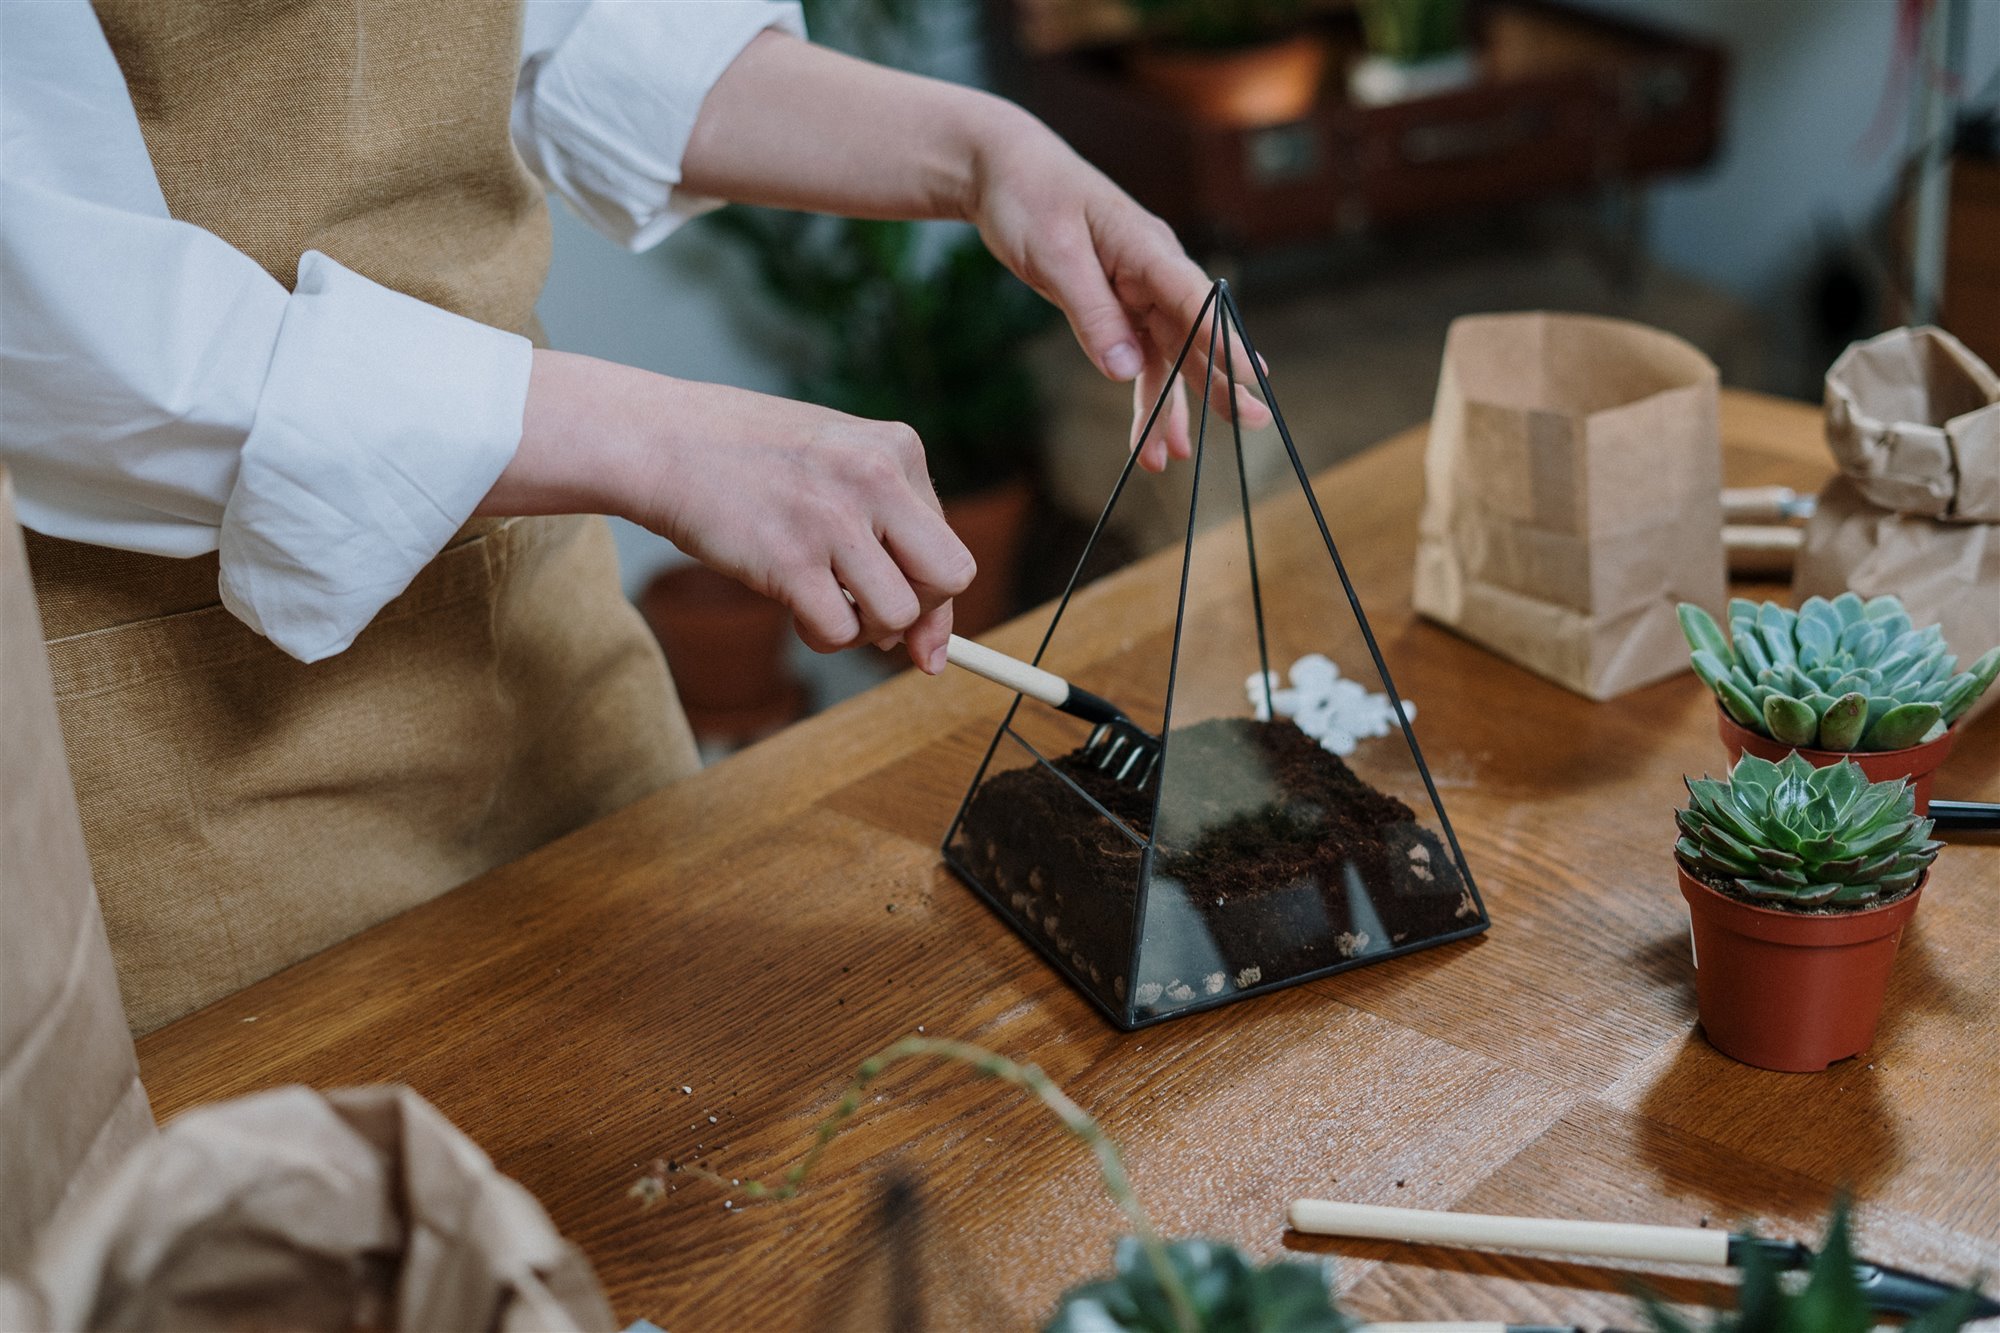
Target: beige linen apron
[[244, 810]]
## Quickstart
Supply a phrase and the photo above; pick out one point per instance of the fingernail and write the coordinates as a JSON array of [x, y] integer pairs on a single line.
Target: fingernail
[[1122, 361], [935, 663]]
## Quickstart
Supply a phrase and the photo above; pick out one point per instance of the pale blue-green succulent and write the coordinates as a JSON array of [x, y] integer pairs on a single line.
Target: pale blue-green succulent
[[1834, 675], [1804, 836]]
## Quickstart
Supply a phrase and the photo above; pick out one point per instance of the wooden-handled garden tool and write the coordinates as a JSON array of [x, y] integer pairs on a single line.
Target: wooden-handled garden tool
[[1119, 746], [1892, 1290]]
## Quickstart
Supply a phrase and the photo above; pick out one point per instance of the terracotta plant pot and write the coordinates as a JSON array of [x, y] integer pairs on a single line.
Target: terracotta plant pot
[[992, 524], [1791, 991], [1270, 84], [726, 646], [1915, 762]]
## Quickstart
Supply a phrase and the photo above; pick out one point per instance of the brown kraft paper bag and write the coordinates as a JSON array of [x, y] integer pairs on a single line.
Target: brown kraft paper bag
[[70, 1099], [360, 1209], [1573, 487], [1913, 420]]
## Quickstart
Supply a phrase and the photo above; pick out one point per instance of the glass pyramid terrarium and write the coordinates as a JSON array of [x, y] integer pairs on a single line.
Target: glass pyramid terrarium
[[1288, 828]]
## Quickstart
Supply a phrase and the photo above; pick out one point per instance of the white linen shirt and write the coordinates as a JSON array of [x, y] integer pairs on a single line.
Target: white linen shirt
[[160, 392]]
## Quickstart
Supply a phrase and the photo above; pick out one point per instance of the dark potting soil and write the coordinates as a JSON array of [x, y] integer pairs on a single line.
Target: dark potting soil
[[1274, 860]]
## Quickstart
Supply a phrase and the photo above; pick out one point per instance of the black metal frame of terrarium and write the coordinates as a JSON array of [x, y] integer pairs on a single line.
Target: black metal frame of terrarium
[[1256, 857]]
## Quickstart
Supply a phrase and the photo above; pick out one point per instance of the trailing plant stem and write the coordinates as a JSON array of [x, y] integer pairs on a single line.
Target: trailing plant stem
[[1029, 1079]]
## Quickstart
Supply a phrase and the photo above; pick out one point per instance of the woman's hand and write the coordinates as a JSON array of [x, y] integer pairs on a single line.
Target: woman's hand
[[796, 501], [795, 125], [1130, 291]]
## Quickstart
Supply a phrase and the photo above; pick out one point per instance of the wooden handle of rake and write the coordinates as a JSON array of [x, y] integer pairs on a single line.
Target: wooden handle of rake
[[1032, 681], [1613, 1240]]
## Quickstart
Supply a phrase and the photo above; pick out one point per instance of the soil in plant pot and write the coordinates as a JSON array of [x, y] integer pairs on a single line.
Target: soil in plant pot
[[1275, 860], [1728, 889]]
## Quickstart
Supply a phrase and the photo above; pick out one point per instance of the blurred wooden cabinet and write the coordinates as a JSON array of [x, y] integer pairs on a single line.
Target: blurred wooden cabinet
[[1971, 306], [1568, 100]]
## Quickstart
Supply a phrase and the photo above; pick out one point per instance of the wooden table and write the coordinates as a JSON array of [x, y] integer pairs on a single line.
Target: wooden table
[[753, 933]]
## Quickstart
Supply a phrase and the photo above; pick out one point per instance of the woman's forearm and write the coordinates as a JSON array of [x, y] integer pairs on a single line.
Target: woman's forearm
[[803, 504], [793, 125]]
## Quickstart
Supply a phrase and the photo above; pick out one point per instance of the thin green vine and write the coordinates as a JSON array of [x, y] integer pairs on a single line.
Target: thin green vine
[[987, 1064]]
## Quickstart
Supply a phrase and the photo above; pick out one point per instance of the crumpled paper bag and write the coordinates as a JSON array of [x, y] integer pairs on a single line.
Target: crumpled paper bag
[[1573, 485], [70, 1099], [288, 1209], [1913, 419]]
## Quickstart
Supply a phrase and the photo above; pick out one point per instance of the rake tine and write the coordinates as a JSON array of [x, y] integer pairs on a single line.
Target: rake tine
[[1116, 746]]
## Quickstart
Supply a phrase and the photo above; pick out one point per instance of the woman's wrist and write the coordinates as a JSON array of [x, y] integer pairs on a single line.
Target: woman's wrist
[[993, 135], [586, 440]]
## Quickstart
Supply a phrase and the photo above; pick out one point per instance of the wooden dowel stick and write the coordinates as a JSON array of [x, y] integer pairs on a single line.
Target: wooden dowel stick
[[1615, 1240], [1001, 669]]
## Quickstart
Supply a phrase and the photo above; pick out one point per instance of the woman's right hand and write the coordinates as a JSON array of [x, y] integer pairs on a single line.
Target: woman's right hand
[[800, 503]]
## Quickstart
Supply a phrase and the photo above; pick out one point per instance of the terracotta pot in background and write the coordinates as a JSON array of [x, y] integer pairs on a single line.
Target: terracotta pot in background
[[992, 524], [1915, 762], [1789, 990], [727, 647], [1255, 86]]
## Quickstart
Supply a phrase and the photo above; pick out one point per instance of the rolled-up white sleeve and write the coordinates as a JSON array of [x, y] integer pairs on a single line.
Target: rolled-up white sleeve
[[608, 96], [160, 392]]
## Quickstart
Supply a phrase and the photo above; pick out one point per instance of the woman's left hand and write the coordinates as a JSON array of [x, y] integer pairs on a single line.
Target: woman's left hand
[[1118, 272]]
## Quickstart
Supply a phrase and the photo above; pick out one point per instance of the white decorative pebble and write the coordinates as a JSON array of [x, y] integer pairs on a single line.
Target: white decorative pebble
[[1337, 712]]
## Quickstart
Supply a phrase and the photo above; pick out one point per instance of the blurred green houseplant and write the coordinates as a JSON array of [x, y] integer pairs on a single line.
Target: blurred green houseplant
[[884, 330], [1412, 30], [882, 322]]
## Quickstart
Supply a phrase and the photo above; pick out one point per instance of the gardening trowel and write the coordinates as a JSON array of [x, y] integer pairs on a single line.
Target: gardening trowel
[[1118, 746]]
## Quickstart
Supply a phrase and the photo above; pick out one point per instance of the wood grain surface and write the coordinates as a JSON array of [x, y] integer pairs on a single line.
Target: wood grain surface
[[755, 932]]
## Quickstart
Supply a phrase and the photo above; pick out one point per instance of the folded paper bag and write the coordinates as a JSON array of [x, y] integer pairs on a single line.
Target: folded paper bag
[[1944, 573], [1913, 418], [361, 1208], [1572, 496]]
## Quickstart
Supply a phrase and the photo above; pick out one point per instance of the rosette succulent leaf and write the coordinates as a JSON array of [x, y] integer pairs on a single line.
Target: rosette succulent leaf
[[1834, 675], [1801, 836]]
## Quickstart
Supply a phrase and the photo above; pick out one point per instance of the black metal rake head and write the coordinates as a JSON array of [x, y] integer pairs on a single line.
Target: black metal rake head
[[1123, 749]]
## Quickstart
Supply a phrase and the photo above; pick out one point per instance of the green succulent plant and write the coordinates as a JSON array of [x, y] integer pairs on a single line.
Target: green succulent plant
[[1831, 1301], [1805, 837], [1230, 1294], [1834, 675]]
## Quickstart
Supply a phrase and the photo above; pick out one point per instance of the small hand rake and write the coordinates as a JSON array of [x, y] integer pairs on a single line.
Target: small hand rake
[[1119, 746]]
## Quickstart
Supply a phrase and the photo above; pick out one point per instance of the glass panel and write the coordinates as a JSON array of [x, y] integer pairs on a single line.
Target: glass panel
[[1054, 864], [1295, 844]]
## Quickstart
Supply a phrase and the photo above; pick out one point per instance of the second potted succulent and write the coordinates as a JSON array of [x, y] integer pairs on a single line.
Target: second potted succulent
[[1834, 680], [1798, 881]]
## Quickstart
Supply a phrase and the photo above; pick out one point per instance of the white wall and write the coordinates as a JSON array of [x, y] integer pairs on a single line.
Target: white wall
[[1807, 81]]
